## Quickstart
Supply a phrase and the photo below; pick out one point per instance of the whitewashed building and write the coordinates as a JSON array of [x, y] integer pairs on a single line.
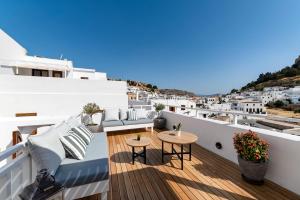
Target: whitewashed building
[[30, 84], [249, 106], [293, 94], [14, 60], [178, 105]]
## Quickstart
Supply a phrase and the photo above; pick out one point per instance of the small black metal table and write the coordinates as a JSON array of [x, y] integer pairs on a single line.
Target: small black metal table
[[182, 138], [143, 142]]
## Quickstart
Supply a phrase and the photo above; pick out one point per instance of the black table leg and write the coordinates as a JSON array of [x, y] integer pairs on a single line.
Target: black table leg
[[162, 151], [181, 157], [172, 148], [139, 154], [145, 155], [133, 156], [190, 152]]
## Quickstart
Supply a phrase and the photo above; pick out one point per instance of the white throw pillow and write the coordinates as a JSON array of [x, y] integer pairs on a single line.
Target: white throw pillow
[[132, 115], [111, 114], [141, 113], [123, 114]]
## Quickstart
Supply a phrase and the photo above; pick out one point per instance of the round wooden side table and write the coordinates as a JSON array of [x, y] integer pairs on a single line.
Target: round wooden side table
[[143, 142], [185, 138]]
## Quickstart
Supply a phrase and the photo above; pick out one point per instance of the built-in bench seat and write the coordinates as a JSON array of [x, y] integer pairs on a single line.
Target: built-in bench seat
[[93, 168], [119, 120], [80, 178]]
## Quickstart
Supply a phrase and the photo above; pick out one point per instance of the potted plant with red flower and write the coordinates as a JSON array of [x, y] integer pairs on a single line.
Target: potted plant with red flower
[[253, 156]]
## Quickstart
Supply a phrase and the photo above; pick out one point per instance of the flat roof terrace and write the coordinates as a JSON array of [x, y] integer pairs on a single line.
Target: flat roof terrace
[[207, 176]]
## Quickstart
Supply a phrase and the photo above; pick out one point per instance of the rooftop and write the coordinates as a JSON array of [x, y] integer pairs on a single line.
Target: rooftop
[[207, 176]]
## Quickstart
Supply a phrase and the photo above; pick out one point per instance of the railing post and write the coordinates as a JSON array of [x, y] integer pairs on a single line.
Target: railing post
[[235, 119]]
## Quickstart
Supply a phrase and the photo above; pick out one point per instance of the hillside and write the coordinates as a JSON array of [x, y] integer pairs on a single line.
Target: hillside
[[153, 88], [287, 77], [177, 92]]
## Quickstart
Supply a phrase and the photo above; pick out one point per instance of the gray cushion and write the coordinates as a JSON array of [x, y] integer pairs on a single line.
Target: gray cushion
[[123, 114], [73, 122], [93, 168], [139, 121], [46, 149], [62, 129], [141, 113], [112, 123]]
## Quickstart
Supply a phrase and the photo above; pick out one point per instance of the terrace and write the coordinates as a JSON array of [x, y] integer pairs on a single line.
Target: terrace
[[207, 176], [211, 174]]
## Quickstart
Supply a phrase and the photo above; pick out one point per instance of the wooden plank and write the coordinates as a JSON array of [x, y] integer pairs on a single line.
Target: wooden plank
[[114, 189], [26, 114], [119, 174], [165, 193]]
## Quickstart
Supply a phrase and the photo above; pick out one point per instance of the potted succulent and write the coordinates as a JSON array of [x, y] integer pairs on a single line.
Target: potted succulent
[[159, 121], [253, 156], [177, 129], [89, 110]]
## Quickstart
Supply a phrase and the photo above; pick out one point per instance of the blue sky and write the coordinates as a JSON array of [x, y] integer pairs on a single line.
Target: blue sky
[[206, 47]]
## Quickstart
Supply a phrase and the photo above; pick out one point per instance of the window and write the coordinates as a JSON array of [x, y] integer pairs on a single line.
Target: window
[[172, 109], [247, 109], [182, 107], [85, 78], [192, 106], [57, 74], [39, 72]]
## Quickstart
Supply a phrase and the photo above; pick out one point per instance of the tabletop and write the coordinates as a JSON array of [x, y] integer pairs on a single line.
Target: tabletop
[[173, 138], [133, 142]]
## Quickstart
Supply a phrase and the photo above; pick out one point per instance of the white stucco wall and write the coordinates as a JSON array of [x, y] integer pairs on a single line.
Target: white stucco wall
[[284, 157], [9, 48], [6, 70], [52, 96]]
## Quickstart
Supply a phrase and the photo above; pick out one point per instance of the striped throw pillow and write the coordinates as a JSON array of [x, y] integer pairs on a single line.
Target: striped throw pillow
[[132, 115], [84, 133], [74, 146]]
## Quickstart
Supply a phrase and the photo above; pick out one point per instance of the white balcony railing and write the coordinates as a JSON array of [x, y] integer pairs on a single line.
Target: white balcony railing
[[15, 175], [284, 162], [202, 113]]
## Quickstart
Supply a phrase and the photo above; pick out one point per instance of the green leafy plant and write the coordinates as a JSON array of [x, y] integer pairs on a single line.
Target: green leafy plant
[[177, 127], [90, 109], [158, 108], [250, 147]]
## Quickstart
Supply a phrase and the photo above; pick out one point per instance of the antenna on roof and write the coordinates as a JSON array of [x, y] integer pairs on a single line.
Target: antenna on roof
[[61, 56]]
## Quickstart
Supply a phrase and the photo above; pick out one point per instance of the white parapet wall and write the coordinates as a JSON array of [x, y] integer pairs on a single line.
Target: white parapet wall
[[284, 148], [57, 96]]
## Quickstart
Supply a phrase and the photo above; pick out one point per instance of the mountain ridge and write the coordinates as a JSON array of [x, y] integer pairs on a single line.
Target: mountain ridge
[[288, 76]]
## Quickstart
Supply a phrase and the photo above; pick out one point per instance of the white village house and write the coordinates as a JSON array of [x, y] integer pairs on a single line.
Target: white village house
[[14, 60]]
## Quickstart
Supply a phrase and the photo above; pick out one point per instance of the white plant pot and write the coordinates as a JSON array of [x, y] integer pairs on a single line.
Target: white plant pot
[[179, 133]]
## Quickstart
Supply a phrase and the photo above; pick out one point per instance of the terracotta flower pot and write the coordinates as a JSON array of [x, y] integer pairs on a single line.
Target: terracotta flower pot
[[253, 172]]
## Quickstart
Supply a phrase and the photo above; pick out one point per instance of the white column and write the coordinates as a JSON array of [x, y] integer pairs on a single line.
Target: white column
[[235, 119]]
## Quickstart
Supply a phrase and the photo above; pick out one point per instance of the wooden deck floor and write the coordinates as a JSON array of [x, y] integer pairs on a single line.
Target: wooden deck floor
[[207, 176]]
